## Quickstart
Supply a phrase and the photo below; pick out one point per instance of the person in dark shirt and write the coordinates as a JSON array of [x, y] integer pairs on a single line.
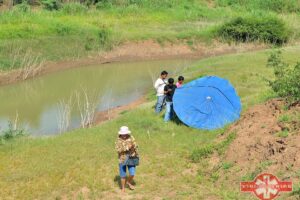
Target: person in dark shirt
[[169, 92]]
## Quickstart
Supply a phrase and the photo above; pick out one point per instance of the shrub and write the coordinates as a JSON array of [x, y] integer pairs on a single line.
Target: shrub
[[249, 29], [51, 4], [11, 132], [273, 5], [74, 8], [24, 7], [103, 4], [286, 83]]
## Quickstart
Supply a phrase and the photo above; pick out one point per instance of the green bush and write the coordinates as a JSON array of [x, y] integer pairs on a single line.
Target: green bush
[[249, 29], [286, 83], [74, 8], [103, 4], [24, 7], [51, 4], [10, 133], [272, 5]]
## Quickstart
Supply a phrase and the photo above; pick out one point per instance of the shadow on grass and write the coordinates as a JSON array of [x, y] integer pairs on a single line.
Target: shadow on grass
[[175, 120], [117, 180]]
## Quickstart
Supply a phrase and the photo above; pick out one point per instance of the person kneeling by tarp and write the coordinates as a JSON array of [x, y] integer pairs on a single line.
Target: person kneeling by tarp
[[169, 92]]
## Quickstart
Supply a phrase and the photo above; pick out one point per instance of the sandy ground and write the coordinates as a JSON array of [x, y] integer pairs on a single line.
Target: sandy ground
[[134, 51]]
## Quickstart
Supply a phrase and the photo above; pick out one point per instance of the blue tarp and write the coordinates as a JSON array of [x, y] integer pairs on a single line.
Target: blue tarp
[[207, 103]]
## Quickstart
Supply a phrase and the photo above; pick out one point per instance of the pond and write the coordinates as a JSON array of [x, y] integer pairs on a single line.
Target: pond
[[37, 105]]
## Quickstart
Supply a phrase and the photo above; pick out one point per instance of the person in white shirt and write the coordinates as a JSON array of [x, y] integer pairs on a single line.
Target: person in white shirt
[[159, 85]]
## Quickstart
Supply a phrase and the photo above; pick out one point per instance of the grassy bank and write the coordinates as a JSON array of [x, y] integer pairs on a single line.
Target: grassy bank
[[83, 163], [76, 31]]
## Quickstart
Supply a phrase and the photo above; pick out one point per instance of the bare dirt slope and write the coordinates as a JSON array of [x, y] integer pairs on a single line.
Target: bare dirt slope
[[267, 140]]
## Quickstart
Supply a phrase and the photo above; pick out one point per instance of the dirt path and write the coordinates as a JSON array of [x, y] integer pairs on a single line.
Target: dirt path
[[134, 51]]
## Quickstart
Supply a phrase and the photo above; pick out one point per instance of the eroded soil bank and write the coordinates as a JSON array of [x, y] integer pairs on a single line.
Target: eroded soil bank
[[134, 51], [267, 140]]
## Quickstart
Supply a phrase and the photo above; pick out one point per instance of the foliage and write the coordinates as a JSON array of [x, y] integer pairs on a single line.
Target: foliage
[[23, 7], [284, 134], [51, 4], [74, 8], [286, 83], [248, 29], [296, 191], [10, 133], [273, 5]]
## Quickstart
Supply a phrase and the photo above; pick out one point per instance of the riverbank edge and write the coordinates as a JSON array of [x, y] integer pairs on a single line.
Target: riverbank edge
[[133, 51]]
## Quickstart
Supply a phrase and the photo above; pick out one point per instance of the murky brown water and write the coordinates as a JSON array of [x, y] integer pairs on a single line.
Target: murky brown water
[[36, 102]]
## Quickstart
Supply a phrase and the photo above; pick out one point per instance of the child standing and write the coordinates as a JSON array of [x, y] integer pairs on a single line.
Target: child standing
[[180, 81], [169, 92]]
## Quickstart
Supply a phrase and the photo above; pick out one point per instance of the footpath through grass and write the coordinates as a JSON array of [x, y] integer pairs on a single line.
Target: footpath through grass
[[84, 163]]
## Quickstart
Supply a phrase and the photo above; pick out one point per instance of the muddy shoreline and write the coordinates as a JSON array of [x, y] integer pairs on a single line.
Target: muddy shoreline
[[134, 51], [109, 114], [138, 51]]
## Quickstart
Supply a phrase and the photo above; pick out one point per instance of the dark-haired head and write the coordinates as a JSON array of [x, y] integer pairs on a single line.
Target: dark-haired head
[[171, 81], [164, 73], [180, 78]]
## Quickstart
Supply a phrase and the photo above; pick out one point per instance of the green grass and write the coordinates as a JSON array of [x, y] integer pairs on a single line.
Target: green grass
[[61, 166], [73, 32], [284, 118]]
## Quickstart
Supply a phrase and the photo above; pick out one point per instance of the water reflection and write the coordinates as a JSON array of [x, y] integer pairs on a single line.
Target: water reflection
[[36, 101]]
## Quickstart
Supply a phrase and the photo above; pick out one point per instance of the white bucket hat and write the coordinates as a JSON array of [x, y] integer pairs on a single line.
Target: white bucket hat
[[124, 130]]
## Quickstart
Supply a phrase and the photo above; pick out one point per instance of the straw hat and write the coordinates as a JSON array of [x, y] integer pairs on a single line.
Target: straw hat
[[124, 130]]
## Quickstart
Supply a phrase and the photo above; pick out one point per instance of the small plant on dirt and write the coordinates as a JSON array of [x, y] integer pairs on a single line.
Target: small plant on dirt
[[284, 118], [263, 165], [215, 176], [286, 83], [296, 191], [227, 165], [284, 133], [251, 175]]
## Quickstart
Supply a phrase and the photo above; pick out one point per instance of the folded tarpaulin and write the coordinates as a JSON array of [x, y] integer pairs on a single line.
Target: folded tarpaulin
[[207, 103]]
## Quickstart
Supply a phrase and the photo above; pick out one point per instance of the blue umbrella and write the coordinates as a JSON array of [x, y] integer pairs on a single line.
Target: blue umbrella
[[207, 103]]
